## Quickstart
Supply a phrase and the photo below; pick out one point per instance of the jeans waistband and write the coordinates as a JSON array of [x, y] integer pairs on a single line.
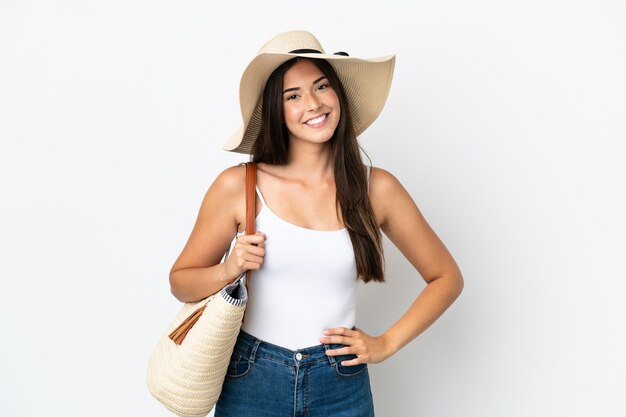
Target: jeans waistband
[[259, 348]]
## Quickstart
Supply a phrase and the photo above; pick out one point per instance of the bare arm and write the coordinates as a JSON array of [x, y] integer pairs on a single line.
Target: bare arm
[[403, 223], [198, 273]]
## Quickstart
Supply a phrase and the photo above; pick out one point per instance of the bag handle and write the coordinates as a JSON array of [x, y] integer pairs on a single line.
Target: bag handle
[[250, 206]]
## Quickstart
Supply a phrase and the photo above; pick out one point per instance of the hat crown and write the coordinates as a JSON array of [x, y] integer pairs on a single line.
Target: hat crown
[[291, 41]]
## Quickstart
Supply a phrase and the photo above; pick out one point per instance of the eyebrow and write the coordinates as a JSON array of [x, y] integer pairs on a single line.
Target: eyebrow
[[297, 88]]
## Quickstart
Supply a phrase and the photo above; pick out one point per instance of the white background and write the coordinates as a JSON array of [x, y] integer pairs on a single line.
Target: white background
[[506, 122]]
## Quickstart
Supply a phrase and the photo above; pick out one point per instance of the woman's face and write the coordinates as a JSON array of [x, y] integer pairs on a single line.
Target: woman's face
[[310, 105]]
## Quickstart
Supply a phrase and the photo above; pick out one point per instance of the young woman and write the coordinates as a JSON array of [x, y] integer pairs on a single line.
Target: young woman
[[320, 212]]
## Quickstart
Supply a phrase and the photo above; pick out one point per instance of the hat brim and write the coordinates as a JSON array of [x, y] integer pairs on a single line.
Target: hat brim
[[366, 81]]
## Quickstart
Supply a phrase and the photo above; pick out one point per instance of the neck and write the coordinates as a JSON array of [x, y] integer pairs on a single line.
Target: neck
[[310, 161]]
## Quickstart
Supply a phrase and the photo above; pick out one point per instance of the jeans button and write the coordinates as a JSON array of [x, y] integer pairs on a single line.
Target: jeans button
[[299, 356]]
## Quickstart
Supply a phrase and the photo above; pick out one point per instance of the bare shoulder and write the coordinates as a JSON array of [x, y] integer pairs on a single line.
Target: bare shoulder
[[388, 196], [218, 220], [231, 181], [224, 199], [384, 186]]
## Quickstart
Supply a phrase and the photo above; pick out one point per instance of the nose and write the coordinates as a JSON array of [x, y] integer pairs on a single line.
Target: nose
[[313, 103]]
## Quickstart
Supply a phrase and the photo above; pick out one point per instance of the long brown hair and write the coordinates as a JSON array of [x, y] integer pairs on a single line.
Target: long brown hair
[[352, 199]]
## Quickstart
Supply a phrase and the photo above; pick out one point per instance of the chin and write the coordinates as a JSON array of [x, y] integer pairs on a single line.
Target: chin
[[323, 139]]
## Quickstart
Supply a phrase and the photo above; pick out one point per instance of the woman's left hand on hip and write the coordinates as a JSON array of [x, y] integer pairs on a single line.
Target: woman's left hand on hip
[[368, 349]]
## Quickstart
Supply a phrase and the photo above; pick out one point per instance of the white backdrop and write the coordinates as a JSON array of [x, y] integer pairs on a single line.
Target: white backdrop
[[506, 122]]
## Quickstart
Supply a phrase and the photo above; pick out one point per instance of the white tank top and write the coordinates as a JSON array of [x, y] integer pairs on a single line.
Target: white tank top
[[307, 283]]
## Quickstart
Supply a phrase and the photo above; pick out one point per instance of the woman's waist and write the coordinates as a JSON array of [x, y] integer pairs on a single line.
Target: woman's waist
[[254, 347], [293, 327]]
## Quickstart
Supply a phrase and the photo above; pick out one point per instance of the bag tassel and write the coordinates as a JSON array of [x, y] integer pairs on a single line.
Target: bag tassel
[[179, 333]]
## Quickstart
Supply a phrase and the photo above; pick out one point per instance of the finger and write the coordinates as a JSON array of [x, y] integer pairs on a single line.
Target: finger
[[339, 331], [242, 248], [260, 235], [346, 350], [251, 239], [351, 362], [251, 266], [338, 340], [254, 259], [254, 250], [255, 236], [263, 237]]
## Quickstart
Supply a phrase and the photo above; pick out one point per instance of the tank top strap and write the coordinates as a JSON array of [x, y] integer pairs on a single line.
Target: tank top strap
[[369, 174], [258, 191]]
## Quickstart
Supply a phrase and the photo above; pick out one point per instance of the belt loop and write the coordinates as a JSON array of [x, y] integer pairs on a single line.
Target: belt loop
[[331, 359], [257, 342]]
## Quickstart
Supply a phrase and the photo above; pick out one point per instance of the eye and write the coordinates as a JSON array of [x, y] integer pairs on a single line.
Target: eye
[[291, 97], [323, 86]]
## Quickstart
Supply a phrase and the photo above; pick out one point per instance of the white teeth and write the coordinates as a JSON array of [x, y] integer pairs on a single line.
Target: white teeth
[[316, 120]]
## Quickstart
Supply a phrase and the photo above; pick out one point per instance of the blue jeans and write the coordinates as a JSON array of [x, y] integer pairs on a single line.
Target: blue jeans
[[265, 380]]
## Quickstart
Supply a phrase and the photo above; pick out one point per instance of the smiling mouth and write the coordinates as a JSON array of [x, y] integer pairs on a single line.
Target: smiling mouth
[[317, 120]]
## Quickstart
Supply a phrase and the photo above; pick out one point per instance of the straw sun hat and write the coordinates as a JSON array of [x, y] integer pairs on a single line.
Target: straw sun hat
[[366, 82]]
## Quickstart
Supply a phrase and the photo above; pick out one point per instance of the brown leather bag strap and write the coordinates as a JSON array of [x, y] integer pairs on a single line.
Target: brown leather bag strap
[[250, 205], [250, 197]]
